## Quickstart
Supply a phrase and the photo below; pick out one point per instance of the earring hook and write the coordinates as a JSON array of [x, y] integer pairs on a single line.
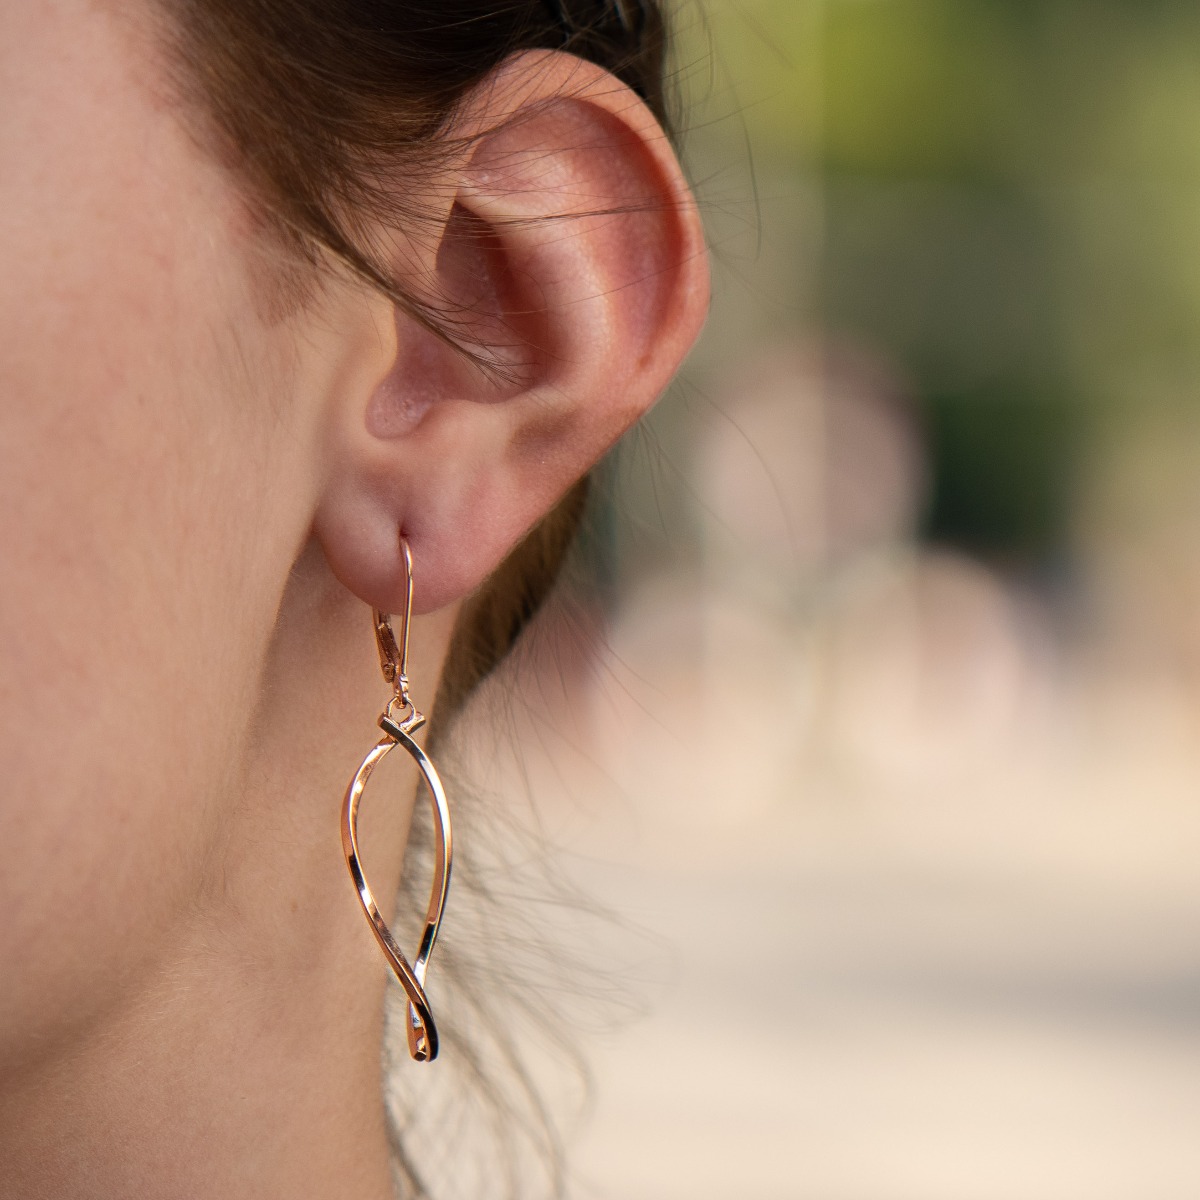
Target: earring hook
[[393, 653]]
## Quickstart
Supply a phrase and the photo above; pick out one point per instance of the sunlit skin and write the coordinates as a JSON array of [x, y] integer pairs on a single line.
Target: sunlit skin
[[199, 500]]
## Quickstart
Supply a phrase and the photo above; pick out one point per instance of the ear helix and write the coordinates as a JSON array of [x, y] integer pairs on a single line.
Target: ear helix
[[399, 721]]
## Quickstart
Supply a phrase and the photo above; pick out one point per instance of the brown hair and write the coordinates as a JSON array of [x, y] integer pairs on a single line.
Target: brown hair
[[312, 102]]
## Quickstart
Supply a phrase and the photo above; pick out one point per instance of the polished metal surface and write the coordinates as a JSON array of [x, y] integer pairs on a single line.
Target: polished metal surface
[[393, 656], [399, 720]]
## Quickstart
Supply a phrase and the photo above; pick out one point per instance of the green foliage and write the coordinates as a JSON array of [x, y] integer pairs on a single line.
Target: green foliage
[[1002, 463], [1010, 209]]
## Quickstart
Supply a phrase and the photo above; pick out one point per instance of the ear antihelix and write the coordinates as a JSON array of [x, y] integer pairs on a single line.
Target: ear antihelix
[[399, 720]]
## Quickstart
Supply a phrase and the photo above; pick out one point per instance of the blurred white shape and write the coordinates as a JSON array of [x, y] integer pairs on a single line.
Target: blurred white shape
[[930, 667], [926, 866], [702, 707], [810, 455]]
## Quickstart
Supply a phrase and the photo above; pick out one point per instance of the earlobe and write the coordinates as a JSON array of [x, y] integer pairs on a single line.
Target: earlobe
[[571, 252]]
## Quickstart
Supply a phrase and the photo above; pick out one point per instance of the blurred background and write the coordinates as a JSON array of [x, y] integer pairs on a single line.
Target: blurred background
[[873, 699]]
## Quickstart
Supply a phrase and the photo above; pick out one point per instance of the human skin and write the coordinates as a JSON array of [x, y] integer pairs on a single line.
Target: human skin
[[200, 498]]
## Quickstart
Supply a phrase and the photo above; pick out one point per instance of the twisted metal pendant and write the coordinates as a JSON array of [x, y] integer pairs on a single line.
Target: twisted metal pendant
[[398, 730]]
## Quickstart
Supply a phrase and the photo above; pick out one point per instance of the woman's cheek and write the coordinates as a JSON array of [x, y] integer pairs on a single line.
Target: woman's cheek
[[130, 496]]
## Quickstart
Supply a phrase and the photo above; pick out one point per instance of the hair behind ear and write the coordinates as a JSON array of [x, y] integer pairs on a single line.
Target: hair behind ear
[[492, 619]]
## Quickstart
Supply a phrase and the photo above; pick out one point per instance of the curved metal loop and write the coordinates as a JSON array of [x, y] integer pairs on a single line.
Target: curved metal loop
[[421, 1029], [398, 726]]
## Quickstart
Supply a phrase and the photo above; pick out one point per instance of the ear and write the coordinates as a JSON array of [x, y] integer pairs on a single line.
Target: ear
[[567, 246]]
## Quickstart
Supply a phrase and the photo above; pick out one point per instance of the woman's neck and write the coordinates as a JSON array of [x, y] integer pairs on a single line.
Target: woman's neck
[[245, 1059]]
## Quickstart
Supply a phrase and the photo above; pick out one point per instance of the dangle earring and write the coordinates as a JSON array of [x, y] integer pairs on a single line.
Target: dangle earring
[[399, 721]]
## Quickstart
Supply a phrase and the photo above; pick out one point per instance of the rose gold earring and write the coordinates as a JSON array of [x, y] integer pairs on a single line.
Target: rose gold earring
[[399, 721]]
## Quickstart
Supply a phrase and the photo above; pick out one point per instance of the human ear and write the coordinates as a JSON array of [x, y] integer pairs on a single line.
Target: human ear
[[569, 249]]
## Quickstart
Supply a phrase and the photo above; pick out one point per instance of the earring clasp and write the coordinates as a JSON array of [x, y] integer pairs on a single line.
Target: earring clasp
[[393, 652]]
